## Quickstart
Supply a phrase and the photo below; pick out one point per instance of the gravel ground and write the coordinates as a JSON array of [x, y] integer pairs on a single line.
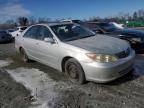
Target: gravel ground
[[51, 89]]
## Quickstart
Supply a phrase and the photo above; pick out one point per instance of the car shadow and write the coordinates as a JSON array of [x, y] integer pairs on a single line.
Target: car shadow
[[12, 41]]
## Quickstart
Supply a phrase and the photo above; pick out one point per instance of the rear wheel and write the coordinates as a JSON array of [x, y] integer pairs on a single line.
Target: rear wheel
[[74, 71], [24, 55]]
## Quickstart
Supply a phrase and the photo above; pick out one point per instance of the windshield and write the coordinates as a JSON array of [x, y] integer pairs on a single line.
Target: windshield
[[69, 32], [108, 27]]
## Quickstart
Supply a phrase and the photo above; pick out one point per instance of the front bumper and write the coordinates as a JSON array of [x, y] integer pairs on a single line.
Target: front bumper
[[106, 72]]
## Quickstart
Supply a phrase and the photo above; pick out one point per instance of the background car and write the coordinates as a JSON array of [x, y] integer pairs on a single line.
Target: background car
[[77, 51], [10, 30], [18, 31], [134, 37], [5, 37]]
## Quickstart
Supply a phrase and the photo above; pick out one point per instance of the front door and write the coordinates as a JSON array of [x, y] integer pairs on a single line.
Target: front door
[[48, 52]]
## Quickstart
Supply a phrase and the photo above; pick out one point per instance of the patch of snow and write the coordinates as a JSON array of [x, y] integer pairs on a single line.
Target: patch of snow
[[38, 82], [4, 63]]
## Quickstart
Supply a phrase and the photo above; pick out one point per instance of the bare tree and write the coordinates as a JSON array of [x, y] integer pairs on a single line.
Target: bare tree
[[23, 21], [32, 20], [135, 16], [140, 14], [43, 20]]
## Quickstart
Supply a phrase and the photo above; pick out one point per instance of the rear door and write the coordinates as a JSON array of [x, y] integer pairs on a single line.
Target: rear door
[[30, 41]]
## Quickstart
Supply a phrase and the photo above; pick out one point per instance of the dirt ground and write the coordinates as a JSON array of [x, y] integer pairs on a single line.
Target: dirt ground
[[12, 94], [51, 89]]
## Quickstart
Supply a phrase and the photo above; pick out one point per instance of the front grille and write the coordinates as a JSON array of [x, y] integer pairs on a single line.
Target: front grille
[[123, 54]]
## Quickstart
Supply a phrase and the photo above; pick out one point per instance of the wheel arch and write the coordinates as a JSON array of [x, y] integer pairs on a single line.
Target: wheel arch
[[64, 61]]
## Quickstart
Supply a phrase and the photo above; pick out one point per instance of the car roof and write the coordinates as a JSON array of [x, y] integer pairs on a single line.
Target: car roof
[[54, 24]]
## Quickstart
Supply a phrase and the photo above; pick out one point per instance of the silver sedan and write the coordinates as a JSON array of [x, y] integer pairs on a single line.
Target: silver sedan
[[77, 51]]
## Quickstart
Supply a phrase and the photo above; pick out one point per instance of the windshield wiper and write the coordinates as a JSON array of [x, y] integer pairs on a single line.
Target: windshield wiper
[[76, 38], [86, 36]]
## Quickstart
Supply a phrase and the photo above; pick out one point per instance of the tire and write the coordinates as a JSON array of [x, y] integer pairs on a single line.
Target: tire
[[74, 71], [24, 56]]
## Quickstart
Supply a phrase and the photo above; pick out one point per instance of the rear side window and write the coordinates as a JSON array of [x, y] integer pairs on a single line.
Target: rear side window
[[32, 32]]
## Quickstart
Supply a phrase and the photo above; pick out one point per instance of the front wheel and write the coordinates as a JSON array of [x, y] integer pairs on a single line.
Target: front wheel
[[74, 71]]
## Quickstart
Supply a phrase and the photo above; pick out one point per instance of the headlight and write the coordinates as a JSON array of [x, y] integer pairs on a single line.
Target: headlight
[[102, 57]]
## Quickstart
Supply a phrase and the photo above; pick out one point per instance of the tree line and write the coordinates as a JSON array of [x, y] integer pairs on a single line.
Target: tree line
[[23, 21], [120, 18]]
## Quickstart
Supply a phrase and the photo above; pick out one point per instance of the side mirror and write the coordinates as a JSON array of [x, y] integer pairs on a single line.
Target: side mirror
[[49, 40]]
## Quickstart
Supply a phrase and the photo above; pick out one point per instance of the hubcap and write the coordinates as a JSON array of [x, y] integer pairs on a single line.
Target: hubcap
[[72, 71]]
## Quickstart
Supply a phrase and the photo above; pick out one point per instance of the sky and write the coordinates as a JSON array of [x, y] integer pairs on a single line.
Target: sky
[[59, 9]]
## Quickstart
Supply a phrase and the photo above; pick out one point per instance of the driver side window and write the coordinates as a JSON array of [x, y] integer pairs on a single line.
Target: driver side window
[[44, 33]]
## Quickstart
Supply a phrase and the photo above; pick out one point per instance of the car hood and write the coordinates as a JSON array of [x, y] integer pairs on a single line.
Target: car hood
[[101, 44], [131, 32]]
